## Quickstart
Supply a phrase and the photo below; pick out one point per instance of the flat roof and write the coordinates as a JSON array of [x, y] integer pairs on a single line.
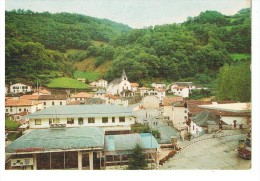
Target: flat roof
[[233, 107], [72, 111], [125, 143], [48, 140]]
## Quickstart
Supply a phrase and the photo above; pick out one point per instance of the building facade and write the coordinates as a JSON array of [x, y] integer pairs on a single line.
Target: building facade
[[20, 88]]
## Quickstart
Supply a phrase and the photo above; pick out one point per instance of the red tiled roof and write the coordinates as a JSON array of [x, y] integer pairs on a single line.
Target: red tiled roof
[[82, 94], [20, 102], [134, 84], [168, 101], [111, 96], [30, 97]]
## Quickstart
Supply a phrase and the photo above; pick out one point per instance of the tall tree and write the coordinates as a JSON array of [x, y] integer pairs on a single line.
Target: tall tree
[[137, 159]]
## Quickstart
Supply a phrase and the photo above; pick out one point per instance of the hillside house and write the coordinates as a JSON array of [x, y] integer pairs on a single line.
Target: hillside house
[[189, 85], [120, 86], [21, 105], [158, 92], [180, 115], [100, 94], [158, 85], [167, 105], [20, 88], [134, 86], [82, 96], [181, 91], [110, 99], [53, 100], [112, 118]]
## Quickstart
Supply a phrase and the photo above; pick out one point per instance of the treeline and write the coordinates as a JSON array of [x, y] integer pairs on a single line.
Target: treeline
[[196, 48]]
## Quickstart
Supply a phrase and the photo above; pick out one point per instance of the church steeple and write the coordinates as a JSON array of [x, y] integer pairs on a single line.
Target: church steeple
[[124, 77]]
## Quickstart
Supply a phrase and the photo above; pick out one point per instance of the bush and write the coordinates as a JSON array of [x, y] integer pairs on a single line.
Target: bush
[[11, 125]]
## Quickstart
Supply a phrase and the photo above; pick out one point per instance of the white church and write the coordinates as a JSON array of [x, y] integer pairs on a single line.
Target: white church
[[120, 86]]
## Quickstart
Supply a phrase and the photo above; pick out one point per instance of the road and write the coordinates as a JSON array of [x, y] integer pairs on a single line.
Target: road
[[209, 154]]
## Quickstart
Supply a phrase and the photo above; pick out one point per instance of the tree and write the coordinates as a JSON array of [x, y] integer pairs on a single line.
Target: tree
[[137, 159]]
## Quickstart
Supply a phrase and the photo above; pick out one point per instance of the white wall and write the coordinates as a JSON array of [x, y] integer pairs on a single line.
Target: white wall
[[48, 103], [229, 120], [184, 92], [98, 122], [19, 109], [151, 102], [168, 111], [194, 129], [180, 115], [102, 83], [21, 88]]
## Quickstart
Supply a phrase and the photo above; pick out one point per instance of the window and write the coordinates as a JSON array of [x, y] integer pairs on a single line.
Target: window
[[105, 120], [185, 117], [80, 121], [91, 120], [121, 119], [11, 110], [44, 103], [70, 120], [52, 103], [113, 119], [24, 109], [54, 120], [60, 103], [6, 110], [20, 110], [185, 111], [37, 121]]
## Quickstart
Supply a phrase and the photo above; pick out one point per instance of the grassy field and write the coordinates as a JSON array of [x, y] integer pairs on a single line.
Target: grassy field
[[65, 82], [239, 56], [91, 76]]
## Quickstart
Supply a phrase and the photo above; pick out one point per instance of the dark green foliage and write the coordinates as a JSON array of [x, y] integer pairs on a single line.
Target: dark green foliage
[[234, 82], [137, 160], [200, 93]]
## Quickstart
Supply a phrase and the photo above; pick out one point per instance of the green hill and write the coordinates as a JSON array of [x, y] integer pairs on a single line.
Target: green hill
[[65, 82]]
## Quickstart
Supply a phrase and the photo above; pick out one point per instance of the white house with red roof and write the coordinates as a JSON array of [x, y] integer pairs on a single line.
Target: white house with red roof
[[20, 88], [21, 105]]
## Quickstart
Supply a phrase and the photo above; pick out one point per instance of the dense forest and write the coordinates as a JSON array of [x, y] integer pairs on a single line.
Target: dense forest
[[37, 46]]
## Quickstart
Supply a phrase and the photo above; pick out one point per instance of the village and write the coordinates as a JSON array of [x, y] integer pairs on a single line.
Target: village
[[98, 130]]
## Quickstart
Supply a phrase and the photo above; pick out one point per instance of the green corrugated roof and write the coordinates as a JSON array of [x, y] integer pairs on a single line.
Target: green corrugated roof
[[94, 110], [56, 139], [126, 142]]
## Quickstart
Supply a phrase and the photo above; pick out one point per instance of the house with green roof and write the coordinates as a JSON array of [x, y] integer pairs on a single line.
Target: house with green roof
[[113, 118], [83, 148]]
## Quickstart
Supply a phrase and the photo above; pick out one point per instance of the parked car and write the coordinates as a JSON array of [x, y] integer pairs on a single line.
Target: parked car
[[245, 153]]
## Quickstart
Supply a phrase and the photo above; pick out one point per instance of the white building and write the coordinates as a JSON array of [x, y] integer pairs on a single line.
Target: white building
[[120, 86], [158, 92], [134, 86], [180, 91], [101, 83], [109, 117], [168, 106], [189, 85], [158, 85], [22, 105], [180, 115], [100, 94], [53, 100], [151, 102], [19, 87], [82, 96], [110, 99]]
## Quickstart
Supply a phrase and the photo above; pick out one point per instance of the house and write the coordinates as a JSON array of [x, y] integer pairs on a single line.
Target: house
[[82, 148], [134, 86], [13, 96], [101, 83], [144, 91], [21, 105], [20, 88], [112, 118], [120, 86], [189, 85], [110, 99], [53, 100], [81, 80], [151, 101], [167, 105], [180, 91], [180, 115], [82, 96], [236, 114], [158, 85], [205, 120], [100, 94], [158, 92]]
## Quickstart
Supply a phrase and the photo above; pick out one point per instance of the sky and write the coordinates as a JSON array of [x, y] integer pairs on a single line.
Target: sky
[[135, 13]]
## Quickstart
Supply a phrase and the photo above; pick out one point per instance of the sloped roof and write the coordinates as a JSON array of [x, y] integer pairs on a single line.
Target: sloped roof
[[94, 110], [30, 97], [183, 84], [168, 101], [134, 84], [115, 81], [20, 102], [58, 139], [82, 95], [126, 142], [100, 91], [112, 96], [205, 118], [53, 97]]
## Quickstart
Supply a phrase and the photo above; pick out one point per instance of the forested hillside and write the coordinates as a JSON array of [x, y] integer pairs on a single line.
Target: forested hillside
[[44, 45]]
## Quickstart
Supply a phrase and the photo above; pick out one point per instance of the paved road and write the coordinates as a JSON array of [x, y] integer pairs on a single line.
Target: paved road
[[209, 154]]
